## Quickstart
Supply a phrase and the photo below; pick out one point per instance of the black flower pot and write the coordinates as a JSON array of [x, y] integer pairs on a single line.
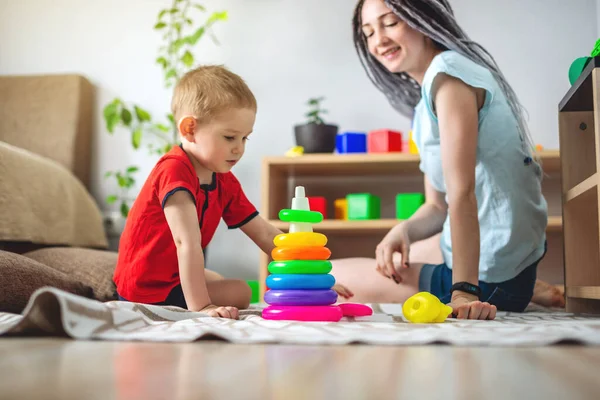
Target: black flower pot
[[316, 138]]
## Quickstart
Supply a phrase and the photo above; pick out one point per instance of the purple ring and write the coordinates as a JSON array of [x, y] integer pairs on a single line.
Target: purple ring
[[301, 297]]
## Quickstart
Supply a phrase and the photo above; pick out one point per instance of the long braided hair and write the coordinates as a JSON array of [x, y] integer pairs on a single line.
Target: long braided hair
[[435, 19]]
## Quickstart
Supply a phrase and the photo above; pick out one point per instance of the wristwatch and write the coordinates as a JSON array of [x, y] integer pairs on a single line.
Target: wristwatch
[[467, 288]]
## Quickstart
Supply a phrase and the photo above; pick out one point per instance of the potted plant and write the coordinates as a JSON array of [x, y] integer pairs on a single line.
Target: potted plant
[[316, 136]]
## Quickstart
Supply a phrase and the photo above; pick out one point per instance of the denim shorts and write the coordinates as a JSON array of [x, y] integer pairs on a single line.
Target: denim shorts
[[512, 295], [175, 298]]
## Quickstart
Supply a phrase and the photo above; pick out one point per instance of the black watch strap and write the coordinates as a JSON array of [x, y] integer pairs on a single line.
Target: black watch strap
[[467, 288]]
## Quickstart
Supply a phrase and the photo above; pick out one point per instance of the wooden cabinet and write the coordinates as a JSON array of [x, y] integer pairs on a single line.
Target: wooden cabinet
[[579, 124], [385, 175]]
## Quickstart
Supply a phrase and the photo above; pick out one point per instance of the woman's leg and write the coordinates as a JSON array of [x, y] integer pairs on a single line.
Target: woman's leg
[[368, 286]]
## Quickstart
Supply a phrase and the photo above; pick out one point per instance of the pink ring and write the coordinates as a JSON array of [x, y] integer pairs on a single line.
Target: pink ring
[[355, 310], [303, 313]]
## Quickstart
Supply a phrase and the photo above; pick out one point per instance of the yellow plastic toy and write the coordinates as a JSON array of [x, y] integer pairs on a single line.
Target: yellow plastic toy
[[300, 239], [295, 151], [425, 308], [412, 147]]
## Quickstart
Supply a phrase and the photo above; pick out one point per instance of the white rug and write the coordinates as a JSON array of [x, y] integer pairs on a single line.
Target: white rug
[[51, 312]]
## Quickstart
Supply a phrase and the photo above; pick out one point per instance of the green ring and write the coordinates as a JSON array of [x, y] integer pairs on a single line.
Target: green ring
[[311, 217], [300, 267]]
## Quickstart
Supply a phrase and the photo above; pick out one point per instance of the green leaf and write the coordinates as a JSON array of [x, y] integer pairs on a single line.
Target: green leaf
[[162, 14], [162, 128], [200, 7], [217, 16], [189, 21], [188, 58], [176, 45], [171, 74], [126, 116], [162, 62], [112, 122], [177, 27], [111, 199], [174, 10], [167, 148], [129, 182], [132, 169], [108, 174], [142, 114], [159, 25], [136, 138], [124, 210], [193, 39], [121, 180], [171, 118]]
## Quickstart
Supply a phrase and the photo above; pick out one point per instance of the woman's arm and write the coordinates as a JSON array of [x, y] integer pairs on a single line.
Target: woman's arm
[[429, 218], [457, 110]]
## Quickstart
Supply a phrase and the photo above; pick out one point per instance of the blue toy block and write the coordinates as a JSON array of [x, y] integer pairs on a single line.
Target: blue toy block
[[351, 142]]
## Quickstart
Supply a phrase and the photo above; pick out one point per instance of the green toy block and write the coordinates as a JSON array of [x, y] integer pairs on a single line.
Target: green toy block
[[255, 291], [363, 206], [407, 204]]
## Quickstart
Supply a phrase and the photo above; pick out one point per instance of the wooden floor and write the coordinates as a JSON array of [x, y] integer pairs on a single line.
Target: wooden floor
[[65, 369]]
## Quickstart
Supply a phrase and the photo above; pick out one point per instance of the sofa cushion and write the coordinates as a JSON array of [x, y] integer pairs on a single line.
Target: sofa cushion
[[21, 276], [93, 268]]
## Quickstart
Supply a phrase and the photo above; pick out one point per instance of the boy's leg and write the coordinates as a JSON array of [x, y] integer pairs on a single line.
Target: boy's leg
[[229, 292], [369, 286]]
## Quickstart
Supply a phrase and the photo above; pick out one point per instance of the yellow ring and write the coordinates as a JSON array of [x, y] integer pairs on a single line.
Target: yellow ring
[[300, 239]]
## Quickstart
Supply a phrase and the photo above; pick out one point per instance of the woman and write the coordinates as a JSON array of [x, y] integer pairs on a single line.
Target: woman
[[482, 183]]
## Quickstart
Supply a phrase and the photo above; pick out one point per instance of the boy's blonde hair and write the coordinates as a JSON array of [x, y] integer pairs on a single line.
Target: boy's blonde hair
[[208, 90]]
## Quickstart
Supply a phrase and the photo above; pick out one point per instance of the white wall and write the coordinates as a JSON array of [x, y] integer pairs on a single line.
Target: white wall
[[287, 51]]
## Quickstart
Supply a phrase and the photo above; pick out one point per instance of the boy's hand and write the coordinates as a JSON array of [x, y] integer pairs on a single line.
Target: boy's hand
[[223, 312], [342, 291]]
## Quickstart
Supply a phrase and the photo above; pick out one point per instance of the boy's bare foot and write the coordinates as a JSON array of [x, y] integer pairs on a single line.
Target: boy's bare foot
[[548, 295]]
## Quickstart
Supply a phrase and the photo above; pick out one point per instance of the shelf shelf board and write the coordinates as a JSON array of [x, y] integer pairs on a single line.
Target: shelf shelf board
[[583, 292], [580, 95], [368, 164], [376, 225], [589, 183]]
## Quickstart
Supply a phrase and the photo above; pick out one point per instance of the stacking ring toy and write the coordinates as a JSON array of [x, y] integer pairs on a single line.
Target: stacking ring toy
[[311, 313], [300, 281], [301, 297], [300, 253], [300, 267], [311, 217], [299, 239], [355, 310]]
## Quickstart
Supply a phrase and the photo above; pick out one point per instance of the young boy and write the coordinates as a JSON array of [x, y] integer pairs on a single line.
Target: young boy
[[176, 214]]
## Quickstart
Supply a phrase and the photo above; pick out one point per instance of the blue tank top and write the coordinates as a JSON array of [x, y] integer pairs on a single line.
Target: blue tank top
[[512, 211]]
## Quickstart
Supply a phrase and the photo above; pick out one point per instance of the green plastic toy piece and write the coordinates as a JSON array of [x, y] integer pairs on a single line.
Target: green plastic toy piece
[[407, 204], [300, 267], [577, 68], [255, 291], [596, 51], [311, 217], [363, 206]]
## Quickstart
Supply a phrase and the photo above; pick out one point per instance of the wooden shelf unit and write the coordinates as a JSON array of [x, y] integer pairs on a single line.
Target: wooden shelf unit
[[579, 130], [334, 176]]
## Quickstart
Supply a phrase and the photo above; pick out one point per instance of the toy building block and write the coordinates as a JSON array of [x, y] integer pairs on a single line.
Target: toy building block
[[255, 291], [341, 209], [363, 206], [351, 142], [318, 204], [384, 141], [407, 204], [412, 147]]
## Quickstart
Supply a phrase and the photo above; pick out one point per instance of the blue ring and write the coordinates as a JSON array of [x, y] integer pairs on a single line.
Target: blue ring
[[300, 281]]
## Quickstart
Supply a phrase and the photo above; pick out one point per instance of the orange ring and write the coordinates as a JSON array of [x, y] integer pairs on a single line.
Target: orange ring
[[300, 253]]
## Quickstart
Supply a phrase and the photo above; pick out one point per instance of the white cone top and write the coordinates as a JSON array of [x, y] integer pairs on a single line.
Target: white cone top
[[300, 202]]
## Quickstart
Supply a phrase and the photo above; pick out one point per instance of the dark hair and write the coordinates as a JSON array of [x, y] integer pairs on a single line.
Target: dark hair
[[434, 19]]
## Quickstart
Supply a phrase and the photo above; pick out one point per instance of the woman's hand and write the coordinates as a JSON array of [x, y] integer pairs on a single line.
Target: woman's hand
[[468, 306], [397, 240], [342, 291]]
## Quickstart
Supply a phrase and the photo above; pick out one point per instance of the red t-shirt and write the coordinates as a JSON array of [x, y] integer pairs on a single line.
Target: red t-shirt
[[147, 268]]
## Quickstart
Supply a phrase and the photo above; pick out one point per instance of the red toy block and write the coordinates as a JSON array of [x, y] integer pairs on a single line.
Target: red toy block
[[384, 141], [318, 204]]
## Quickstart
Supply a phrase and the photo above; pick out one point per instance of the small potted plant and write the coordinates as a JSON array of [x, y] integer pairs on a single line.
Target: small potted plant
[[316, 136]]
